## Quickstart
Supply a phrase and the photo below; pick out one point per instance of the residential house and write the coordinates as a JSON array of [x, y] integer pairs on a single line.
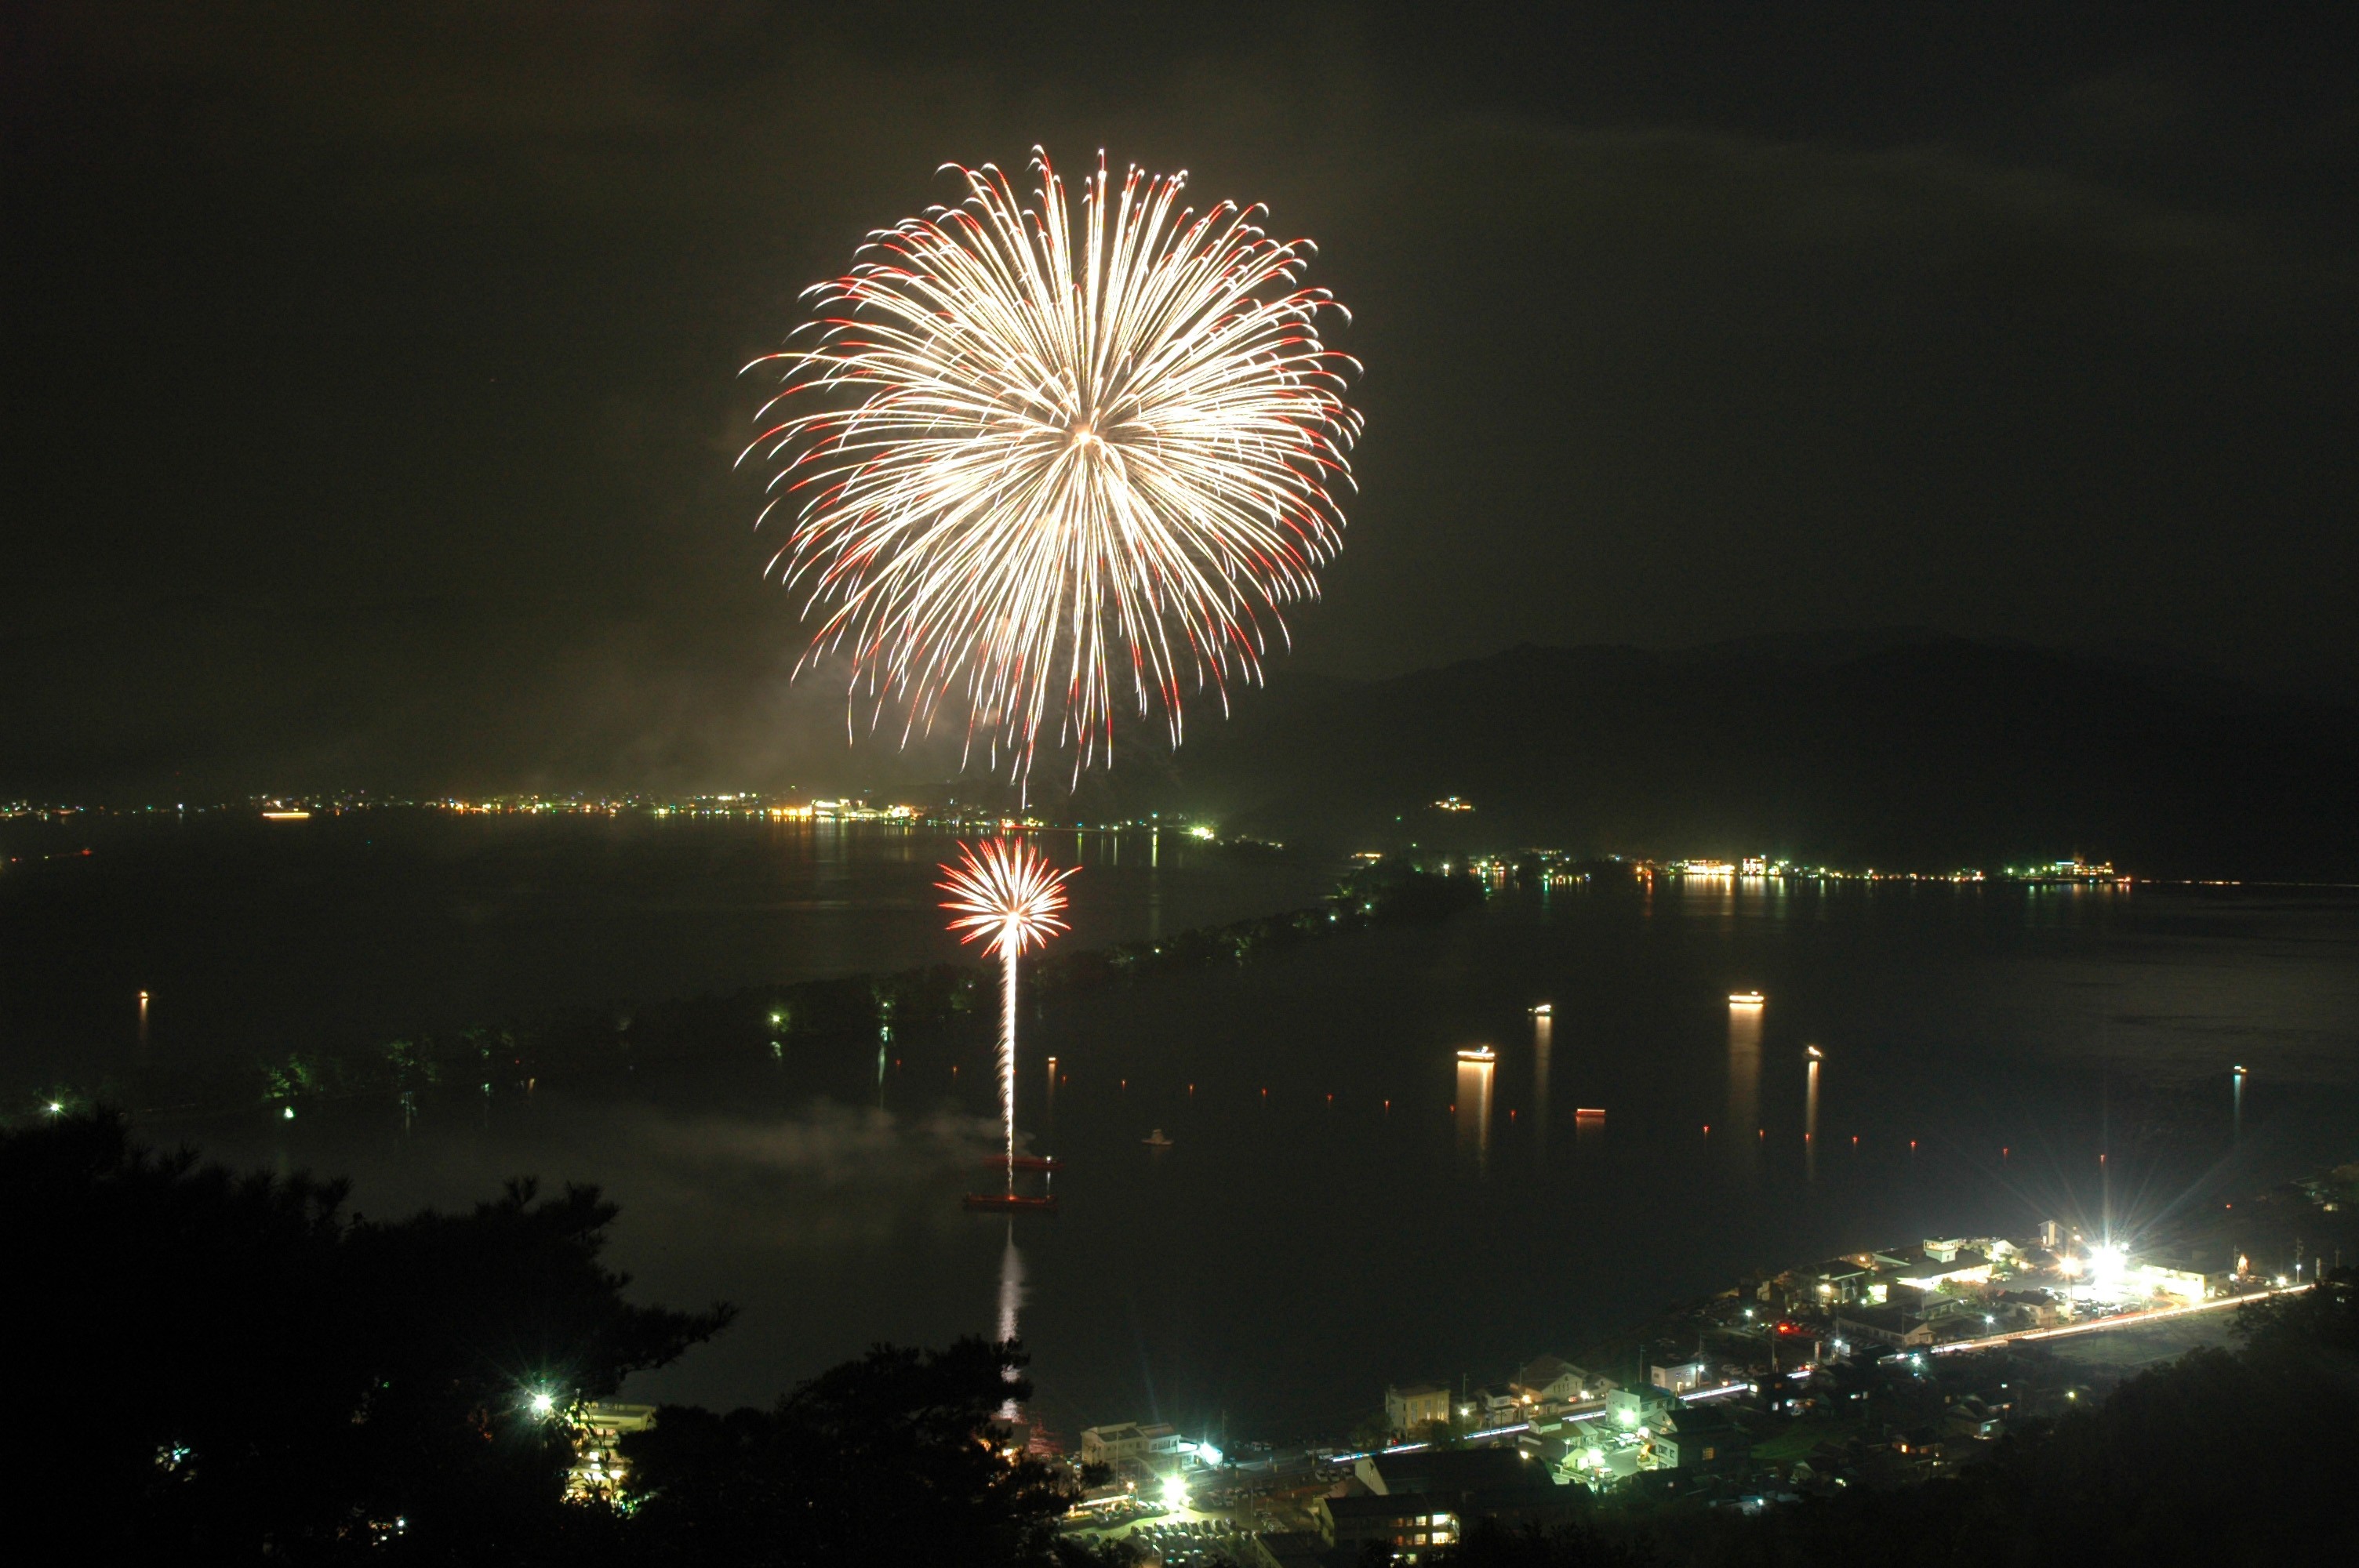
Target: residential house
[[1551, 1380], [1495, 1408], [1684, 1378], [1411, 1407], [1919, 1443], [1700, 1438], [2036, 1309], [1628, 1408], [1890, 1326], [1970, 1417]]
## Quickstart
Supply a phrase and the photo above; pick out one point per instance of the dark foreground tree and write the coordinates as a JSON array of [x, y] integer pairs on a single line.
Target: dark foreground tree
[[217, 1366], [898, 1458]]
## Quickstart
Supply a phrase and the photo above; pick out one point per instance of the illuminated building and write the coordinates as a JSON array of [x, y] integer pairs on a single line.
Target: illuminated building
[[598, 1433], [1552, 1380], [1929, 1271], [1413, 1407], [1408, 1525], [1840, 1280], [1420, 1501], [1132, 1450], [1630, 1408], [2075, 871], [1683, 1376], [1699, 1438]]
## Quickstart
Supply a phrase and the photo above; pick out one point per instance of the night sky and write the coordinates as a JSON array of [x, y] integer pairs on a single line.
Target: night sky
[[372, 371]]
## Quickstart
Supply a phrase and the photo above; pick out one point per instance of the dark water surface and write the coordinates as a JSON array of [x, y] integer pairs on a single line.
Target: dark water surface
[[1293, 1252], [255, 937]]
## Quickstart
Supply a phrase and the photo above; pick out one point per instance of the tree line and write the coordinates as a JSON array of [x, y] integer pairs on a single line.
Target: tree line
[[223, 1366]]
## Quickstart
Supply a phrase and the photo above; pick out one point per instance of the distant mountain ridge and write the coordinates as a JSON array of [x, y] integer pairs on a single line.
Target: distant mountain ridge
[[1892, 748]]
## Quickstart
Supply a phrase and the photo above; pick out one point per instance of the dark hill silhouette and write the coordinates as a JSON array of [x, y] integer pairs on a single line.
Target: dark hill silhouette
[[1884, 749]]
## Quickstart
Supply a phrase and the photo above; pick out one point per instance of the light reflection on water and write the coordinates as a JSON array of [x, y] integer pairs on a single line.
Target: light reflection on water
[[1810, 1119], [1543, 1046], [1473, 1109], [1291, 1254], [1745, 1087], [1011, 1302]]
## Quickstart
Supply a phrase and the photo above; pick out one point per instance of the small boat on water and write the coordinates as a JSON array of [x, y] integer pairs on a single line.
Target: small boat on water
[[1010, 1201], [1156, 1140], [1478, 1054], [1543, 1010], [1745, 999], [1589, 1113]]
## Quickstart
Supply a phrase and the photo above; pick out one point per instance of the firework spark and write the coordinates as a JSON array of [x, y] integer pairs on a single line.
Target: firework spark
[[1047, 469], [1008, 897]]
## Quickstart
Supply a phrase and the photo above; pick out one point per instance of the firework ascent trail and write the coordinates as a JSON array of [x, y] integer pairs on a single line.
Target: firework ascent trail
[[1034, 470], [1008, 897]]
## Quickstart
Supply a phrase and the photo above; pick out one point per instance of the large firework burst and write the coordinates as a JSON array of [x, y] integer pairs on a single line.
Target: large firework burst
[[1009, 898], [1045, 469]]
